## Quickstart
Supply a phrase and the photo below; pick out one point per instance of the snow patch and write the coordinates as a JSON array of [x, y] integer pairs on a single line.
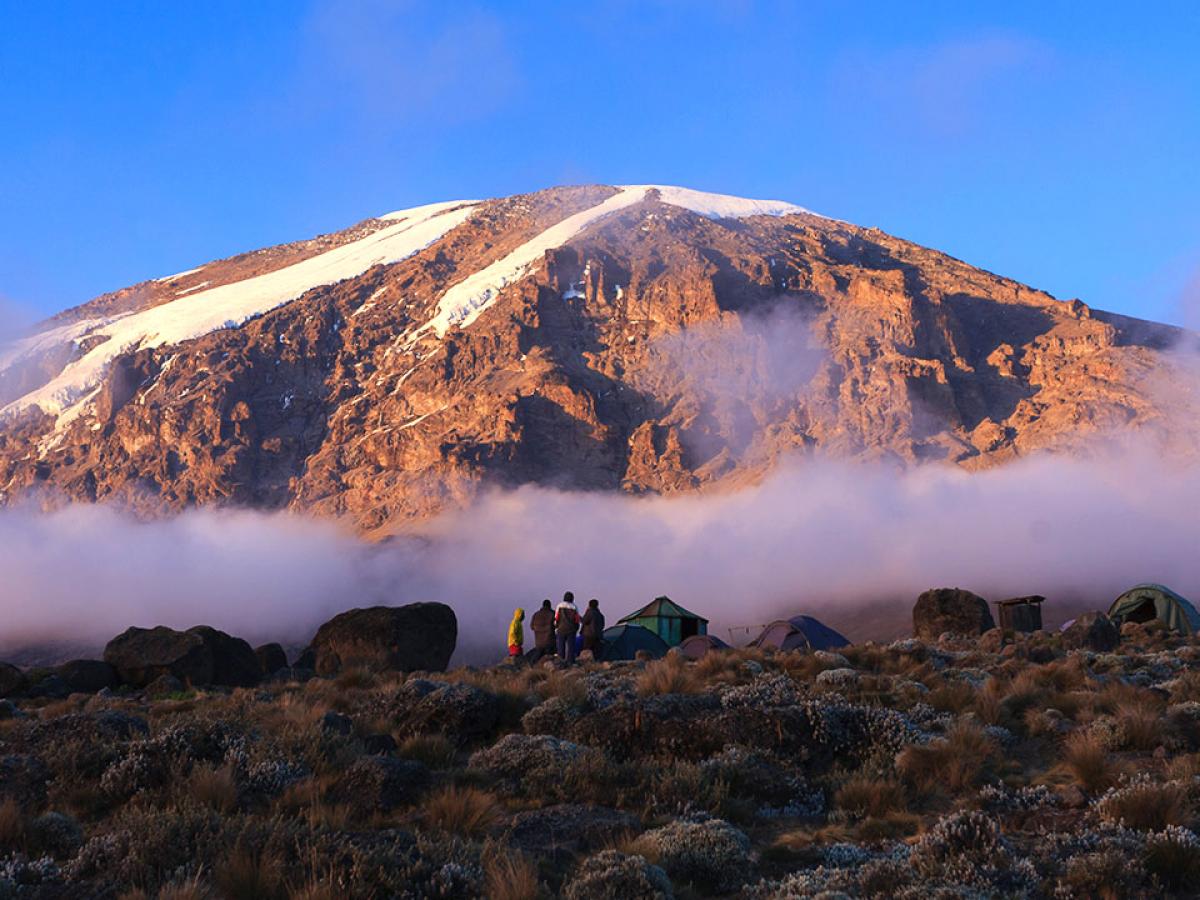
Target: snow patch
[[463, 303], [719, 206], [167, 278], [193, 289], [229, 305]]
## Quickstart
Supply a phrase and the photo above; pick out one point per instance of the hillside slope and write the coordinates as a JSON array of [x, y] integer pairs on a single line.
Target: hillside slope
[[604, 338]]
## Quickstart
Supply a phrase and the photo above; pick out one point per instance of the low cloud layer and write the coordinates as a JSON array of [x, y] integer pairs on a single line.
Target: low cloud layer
[[842, 541]]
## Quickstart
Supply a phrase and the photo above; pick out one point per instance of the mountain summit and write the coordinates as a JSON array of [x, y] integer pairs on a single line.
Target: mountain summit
[[639, 338]]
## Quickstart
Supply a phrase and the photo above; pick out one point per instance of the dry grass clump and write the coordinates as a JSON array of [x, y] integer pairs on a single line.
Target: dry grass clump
[[864, 797], [1087, 759], [1173, 858], [719, 667], [953, 763], [463, 811], [511, 876], [216, 788], [355, 680], [565, 684], [434, 750], [12, 825], [1146, 806], [669, 675], [952, 697], [1183, 768], [245, 875], [307, 800], [187, 890], [1140, 726]]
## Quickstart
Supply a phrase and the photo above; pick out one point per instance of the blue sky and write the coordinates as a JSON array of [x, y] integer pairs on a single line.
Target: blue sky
[[1053, 142]]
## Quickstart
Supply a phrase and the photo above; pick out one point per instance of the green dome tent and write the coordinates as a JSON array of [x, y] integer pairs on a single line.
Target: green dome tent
[[1147, 602], [668, 620]]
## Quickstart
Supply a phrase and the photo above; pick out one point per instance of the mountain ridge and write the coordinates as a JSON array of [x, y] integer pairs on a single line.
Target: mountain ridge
[[629, 338]]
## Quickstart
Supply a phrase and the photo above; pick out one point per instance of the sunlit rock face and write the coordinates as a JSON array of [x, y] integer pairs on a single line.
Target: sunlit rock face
[[635, 339]]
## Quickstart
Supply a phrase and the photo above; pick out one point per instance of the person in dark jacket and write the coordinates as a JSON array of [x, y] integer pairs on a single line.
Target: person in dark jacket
[[593, 628], [542, 625], [566, 626]]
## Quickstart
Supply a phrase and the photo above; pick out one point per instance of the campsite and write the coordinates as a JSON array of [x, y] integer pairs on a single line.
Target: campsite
[[983, 761]]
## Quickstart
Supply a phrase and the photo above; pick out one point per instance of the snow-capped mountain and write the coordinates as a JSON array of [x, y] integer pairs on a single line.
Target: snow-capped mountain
[[636, 338]]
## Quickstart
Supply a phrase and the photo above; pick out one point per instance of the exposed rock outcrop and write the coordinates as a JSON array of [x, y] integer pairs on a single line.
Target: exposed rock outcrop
[[658, 350], [198, 656], [416, 637], [952, 610]]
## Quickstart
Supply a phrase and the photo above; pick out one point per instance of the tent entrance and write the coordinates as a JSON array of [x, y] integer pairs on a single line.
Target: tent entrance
[[1143, 612], [688, 628]]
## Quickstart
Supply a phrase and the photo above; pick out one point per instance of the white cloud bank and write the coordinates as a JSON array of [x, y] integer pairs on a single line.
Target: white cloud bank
[[817, 537]]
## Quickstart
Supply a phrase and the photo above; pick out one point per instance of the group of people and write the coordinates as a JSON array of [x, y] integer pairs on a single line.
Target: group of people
[[561, 630]]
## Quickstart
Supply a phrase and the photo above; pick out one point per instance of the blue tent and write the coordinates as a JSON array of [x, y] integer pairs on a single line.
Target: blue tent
[[799, 633]]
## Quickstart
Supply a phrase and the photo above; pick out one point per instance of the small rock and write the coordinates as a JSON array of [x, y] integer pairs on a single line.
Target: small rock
[[164, 686], [1091, 631]]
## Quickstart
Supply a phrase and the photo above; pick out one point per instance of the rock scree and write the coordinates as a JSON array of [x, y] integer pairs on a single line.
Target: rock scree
[[416, 637], [954, 610]]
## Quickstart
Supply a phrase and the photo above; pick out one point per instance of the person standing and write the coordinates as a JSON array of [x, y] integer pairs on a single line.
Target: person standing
[[566, 626], [593, 628], [516, 633], [542, 625]]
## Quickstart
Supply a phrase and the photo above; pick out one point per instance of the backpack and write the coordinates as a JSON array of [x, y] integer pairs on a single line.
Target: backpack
[[568, 621]]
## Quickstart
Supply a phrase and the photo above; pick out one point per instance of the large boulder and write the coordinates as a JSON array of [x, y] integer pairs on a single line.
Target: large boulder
[[12, 680], [142, 655], [87, 676], [200, 655], [1091, 631], [953, 610], [234, 663], [417, 637], [271, 658]]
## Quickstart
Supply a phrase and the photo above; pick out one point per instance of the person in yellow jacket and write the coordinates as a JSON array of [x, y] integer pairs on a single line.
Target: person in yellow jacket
[[516, 633]]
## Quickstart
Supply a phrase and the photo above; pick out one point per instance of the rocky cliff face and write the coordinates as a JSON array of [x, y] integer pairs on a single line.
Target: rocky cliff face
[[599, 338]]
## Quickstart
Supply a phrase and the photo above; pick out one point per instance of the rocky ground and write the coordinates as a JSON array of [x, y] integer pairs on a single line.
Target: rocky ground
[[999, 766]]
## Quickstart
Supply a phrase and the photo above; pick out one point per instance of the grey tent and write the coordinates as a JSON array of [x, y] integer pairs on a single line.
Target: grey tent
[[799, 633], [699, 644], [624, 641], [1154, 601]]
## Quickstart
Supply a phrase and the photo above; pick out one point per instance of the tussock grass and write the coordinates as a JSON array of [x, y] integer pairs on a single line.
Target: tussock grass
[[1141, 726], [245, 875], [1089, 762], [865, 797], [953, 763], [216, 788], [511, 876], [12, 825], [434, 750], [1146, 806], [463, 811], [670, 675]]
